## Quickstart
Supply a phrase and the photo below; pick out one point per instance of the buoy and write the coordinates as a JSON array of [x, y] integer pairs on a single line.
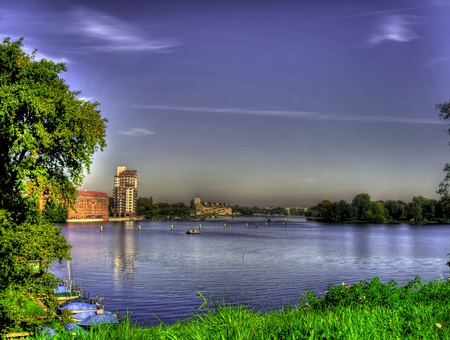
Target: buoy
[[101, 229], [139, 228], [224, 226], [199, 226], [266, 224], [256, 225], [171, 227]]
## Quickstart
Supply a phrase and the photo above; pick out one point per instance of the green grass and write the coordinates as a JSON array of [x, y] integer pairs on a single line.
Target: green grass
[[368, 310]]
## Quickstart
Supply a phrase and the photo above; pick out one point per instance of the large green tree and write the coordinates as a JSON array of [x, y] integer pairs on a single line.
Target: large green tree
[[47, 138], [363, 205], [444, 186]]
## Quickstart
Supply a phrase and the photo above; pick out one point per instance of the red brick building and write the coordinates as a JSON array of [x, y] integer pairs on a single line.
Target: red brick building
[[90, 204]]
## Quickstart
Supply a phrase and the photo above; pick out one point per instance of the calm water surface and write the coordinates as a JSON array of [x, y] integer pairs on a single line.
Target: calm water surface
[[156, 273]]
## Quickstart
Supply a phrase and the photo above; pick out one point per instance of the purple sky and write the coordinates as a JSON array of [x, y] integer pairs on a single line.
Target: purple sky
[[256, 102]]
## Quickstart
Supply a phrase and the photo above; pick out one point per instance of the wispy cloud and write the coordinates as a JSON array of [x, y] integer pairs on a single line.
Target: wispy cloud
[[406, 9], [394, 28], [306, 115], [111, 34], [137, 132], [227, 110]]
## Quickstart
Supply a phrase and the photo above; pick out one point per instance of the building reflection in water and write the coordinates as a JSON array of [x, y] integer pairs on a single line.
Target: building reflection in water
[[124, 252]]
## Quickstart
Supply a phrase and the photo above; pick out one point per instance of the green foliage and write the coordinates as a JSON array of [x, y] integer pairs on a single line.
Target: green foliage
[[47, 138], [367, 310], [444, 207], [419, 210], [162, 210], [363, 206], [394, 210], [17, 309], [245, 211], [444, 186], [342, 211], [143, 205], [47, 135], [55, 213]]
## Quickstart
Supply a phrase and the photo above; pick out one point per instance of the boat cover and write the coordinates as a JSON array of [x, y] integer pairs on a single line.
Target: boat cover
[[82, 315], [78, 306], [96, 319]]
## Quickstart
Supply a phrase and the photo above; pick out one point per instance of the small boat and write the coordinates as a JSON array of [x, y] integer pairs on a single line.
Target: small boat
[[78, 307], [193, 232], [66, 289]]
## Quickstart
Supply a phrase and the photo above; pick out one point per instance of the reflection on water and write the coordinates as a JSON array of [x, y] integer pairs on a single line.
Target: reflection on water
[[156, 273]]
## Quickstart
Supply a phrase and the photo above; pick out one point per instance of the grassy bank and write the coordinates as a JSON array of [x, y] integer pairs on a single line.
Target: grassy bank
[[366, 310]]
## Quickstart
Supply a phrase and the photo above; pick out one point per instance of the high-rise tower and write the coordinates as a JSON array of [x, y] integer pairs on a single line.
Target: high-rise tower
[[125, 192]]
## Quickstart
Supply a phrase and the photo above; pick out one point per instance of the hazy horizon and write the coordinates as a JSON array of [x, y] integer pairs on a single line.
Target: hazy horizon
[[256, 103]]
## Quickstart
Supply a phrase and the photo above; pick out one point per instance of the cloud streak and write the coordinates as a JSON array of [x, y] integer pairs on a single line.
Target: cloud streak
[[306, 115], [394, 28], [111, 34], [137, 132], [389, 11]]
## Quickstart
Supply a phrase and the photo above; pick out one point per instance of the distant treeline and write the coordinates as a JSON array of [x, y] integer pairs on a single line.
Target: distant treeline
[[277, 211], [161, 210], [362, 209]]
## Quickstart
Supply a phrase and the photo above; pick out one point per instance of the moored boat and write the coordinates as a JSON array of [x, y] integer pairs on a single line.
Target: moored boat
[[193, 232], [66, 289]]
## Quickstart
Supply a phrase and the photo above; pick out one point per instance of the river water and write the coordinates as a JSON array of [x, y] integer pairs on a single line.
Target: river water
[[156, 273]]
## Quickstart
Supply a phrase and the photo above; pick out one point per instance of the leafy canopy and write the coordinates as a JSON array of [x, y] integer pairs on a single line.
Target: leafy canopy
[[47, 138], [47, 135], [444, 186]]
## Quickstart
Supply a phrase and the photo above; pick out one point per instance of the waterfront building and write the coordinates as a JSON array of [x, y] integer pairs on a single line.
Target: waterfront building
[[125, 192], [90, 204], [210, 208]]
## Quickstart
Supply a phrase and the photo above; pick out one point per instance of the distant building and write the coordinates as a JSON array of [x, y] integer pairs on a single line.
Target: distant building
[[125, 192], [90, 204], [210, 208], [195, 201]]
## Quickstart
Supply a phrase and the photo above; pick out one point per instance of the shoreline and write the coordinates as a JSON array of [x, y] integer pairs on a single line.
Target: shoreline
[[110, 219]]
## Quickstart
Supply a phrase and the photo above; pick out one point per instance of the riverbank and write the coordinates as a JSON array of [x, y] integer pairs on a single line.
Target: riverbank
[[365, 310]]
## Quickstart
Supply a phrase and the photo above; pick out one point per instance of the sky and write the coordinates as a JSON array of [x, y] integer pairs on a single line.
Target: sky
[[255, 103]]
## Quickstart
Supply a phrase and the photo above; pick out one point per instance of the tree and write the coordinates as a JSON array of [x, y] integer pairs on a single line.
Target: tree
[[363, 206], [246, 211], [47, 138], [444, 186], [55, 213], [181, 210], [394, 210], [143, 205], [341, 211], [324, 208], [378, 212]]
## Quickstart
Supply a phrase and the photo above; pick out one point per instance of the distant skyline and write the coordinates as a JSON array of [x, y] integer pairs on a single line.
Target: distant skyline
[[266, 103]]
